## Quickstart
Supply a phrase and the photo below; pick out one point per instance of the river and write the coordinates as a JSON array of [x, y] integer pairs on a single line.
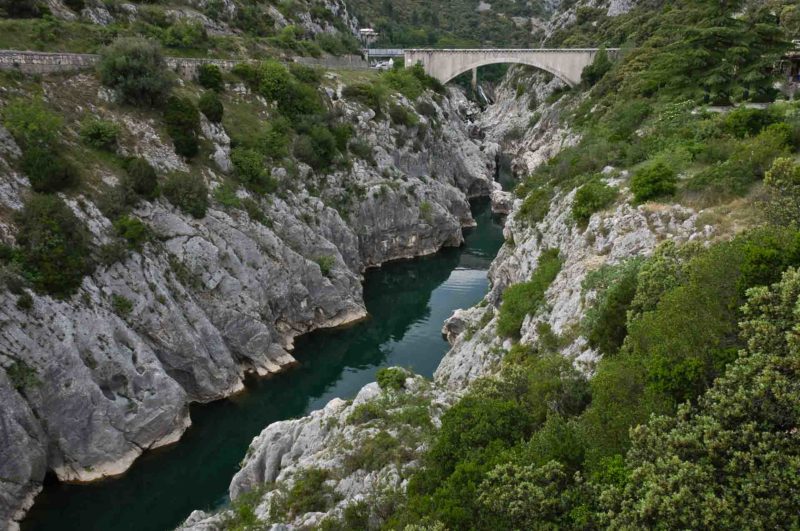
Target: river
[[407, 301]]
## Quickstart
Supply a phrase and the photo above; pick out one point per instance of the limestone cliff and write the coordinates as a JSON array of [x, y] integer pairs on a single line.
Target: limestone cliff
[[213, 298]]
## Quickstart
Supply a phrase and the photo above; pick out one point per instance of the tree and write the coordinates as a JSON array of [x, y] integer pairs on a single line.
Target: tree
[[136, 70], [599, 67], [187, 192], [211, 106], [783, 184], [210, 77], [183, 123], [732, 461]]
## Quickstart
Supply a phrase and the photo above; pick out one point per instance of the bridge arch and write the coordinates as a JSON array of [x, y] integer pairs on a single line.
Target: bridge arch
[[444, 65]]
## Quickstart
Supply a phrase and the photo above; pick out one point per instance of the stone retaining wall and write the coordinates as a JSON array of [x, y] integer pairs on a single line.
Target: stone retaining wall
[[49, 62]]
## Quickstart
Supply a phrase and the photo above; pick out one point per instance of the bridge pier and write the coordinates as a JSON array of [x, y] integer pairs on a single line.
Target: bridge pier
[[474, 80]]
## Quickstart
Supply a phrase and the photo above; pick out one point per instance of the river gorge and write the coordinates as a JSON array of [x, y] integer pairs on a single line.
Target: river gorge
[[407, 303]]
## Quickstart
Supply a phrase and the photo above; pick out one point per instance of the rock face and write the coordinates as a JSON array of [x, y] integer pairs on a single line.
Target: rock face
[[86, 387], [216, 17]]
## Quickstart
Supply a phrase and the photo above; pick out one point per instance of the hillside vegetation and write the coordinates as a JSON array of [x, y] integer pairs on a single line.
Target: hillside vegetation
[[204, 29], [460, 23]]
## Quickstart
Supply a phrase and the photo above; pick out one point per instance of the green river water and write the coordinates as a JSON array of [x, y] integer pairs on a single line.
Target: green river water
[[407, 301]]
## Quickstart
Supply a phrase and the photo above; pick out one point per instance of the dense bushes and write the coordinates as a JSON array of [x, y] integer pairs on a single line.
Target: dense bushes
[[48, 171], [520, 300], [187, 192], [317, 147], [136, 70], [141, 178], [183, 123], [368, 94], [590, 198], [211, 106], [53, 245], [700, 466], [210, 77], [185, 34], [31, 123], [391, 378], [38, 132], [595, 71], [653, 181], [605, 324], [100, 134], [783, 185], [402, 116], [252, 170]]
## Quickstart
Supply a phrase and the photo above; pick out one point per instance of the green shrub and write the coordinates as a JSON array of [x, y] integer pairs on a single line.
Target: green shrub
[[309, 493], [783, 184], [247, 72], [132, 230], [306, 74], [136, 70], [362, 150], [25, 302], [342, 132], [54, 247], [22, 376], [520, 300], [402, 116], [211, 106], [590, 198], [31, 123], [185, 34], [376, 452], [365, 93], [226, 195], [317, 148], [605, 323], [100, 134], [274, 141], [326, 264], [121, 305], [743, 121], [183, 123], [210, 77], [599, 67], [187, 192], [366, 412], [391, 378], [252, 170], [141, 178], [294, 99], [426, 212], [47, 170], [253, 209], [536, 205], [652, 181]]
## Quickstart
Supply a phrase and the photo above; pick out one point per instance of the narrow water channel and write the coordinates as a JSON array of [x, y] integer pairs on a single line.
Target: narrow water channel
[[407, 302]]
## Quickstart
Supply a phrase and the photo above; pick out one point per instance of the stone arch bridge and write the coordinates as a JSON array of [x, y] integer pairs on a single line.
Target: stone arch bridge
[[567, 64]]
